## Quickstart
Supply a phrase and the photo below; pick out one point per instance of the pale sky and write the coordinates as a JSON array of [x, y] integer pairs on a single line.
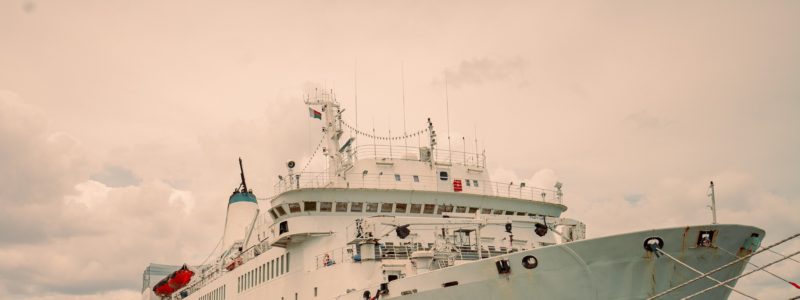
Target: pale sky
[[121, 121]]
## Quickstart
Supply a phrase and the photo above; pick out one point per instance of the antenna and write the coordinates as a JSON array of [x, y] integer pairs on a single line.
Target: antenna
[[355, 92], [244, 183], [447, 103], [403, 82], [713, 204]]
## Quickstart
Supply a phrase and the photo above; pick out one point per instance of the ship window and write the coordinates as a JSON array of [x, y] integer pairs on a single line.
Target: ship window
[[443, 175], [280, 210], [357, 207], [486, 211], [287, 262], [309, 206], [509, 213], [263, 272], [315, 291], [467, 181], [396, 177], [386, 207], [429, 208], [461, 209], [281, 264], [498, 211], [475, 183], [294, 207], [473, 210], [341, 206], [416, 178], [400, 208], [269, 267], [416, 208], [445, 208], [325, 206], [522, 213], [372, 207], [273, 214]]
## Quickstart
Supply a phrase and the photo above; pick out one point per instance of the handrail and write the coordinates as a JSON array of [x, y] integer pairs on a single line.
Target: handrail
[[417, 183], [449, 156]]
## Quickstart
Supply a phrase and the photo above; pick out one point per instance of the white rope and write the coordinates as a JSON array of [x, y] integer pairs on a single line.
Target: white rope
[[743, 275], [312, 155], [701, 273], [722, 267], [757, 266]]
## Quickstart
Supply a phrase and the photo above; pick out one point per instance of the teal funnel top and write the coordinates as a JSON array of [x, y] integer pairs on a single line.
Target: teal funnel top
[[242, 197]]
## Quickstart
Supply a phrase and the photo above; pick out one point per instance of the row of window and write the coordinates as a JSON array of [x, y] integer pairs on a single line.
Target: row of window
[[374, 207], [442, 176], [216, 294], [263, 273]]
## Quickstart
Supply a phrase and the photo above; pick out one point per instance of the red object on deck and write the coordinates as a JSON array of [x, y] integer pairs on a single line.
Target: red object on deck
[[173, 282], [457, 185]]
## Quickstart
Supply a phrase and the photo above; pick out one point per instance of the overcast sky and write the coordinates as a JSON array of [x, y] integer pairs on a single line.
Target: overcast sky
[[121, 121]]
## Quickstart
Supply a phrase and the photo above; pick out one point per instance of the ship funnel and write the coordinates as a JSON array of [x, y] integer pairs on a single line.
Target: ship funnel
[[242, 208]]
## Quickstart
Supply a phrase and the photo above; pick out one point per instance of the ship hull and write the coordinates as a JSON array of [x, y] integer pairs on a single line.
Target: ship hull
[[614, 267]]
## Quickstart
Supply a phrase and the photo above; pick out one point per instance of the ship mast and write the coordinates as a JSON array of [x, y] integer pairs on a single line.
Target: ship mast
[[331, 128]]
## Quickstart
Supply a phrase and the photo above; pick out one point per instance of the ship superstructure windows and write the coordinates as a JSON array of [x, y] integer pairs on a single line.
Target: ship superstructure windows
[[429, 208], [325, 206], [309, 206], [416, 208], [386, 207], [461, 209], [372, 207], [475, 183], [357, 207], [443, 176], [216, 294], [396, 177], [280, 210], [341, 206], [473, 210], [416, 178], [486, 211], [294, 207], [400, 208]]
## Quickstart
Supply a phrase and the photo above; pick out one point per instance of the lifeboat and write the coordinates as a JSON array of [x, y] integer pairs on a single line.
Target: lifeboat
[[173, 282]]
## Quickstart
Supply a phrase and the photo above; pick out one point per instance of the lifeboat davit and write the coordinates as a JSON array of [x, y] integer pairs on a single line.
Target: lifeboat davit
[[173, 282]]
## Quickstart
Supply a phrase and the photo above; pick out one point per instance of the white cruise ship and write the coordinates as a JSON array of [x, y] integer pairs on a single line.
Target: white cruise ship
[[395, 222]]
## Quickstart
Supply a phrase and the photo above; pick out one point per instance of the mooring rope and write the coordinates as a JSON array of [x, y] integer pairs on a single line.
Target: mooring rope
[[743, 275], [670, 290], [765, 270], [701, 273]]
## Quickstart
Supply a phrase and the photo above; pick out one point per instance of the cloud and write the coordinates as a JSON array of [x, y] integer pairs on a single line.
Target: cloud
[[115, 176], [478, 71], [644, 120]]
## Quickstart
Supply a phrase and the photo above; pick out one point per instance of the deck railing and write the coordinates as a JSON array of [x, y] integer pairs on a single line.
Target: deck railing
[[418, 183]]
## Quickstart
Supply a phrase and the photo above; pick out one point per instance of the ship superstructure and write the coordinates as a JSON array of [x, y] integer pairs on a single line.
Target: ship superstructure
[[392, 221]]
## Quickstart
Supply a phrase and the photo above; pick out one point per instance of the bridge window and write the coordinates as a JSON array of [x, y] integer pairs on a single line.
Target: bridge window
[[443, 175], [294, 207], [280, 210], [357, 207], [466, 181], [498, 211], [486, 211], [400, 208], [521, 213], [325, 206], [416, 208], [509, 213], [273, 214], [416, 178], [461, 209], [386, 207], [341, 206], [309, 206], [372, 207], [473, 210], [429, 208], [475, 183], [396, 177]]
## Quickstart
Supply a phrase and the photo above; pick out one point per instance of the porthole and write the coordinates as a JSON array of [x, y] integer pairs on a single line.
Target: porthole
[[530, 262]]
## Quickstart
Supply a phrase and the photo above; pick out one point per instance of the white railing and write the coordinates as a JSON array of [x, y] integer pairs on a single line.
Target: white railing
[[440, 156], [417, 183]]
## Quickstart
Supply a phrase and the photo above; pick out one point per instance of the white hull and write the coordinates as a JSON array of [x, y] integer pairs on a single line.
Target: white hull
[[614, 267]]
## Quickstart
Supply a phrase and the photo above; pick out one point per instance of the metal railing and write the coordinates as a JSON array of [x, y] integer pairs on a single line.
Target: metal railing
[[389, 251], [418, 183], [441, 156]]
